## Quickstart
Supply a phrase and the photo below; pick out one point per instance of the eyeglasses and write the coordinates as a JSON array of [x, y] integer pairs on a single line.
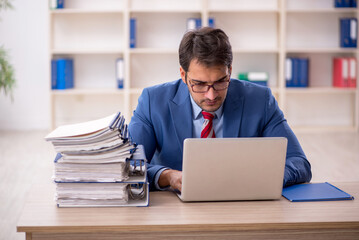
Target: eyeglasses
[[202, 87]]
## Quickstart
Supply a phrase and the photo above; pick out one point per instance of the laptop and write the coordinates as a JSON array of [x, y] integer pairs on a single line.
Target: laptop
[[231, 169]]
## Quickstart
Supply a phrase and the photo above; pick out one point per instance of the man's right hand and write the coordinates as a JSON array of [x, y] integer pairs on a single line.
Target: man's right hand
[[172, 178]]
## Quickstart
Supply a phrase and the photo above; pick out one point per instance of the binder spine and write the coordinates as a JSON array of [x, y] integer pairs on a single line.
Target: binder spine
[[348, 32], [289, 72], [120, 72], [53, 74], [133, 33], [211, 22], [60, 3]]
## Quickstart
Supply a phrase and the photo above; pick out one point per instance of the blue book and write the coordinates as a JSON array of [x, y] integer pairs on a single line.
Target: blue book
[[62, 73], [342, 3], [303, 72], [211, 22], [53, 74], [339, 3], [133, 33], [194, 23], [69, 79], [348, 32], [61, 66], [60, 3], [198, 23], [120, 72], [353, 3], [295, 71], [315, 192]]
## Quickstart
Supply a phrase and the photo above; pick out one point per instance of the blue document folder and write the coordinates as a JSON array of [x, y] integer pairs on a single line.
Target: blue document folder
[[315, 192]]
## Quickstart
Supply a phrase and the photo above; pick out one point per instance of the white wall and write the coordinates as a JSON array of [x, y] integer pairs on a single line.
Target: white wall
[[24, 33]]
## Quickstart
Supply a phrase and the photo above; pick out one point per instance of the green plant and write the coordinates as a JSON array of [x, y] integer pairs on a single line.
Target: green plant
[[7, 78], [5, 4]]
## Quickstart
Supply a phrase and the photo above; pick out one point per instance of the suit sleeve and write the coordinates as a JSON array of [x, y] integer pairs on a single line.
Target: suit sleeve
[[142, 132], [297, 167]]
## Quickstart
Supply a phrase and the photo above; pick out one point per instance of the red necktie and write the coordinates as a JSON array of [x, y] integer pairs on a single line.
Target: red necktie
[[207, 128]]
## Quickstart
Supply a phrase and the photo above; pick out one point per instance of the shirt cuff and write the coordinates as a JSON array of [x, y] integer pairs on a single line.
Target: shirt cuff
[[157, 177]]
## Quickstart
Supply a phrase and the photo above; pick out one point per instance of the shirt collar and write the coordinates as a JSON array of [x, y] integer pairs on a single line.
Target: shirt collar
[[196, 110]]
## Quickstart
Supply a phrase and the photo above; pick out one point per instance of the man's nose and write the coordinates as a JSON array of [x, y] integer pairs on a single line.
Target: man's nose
[[211, 94]]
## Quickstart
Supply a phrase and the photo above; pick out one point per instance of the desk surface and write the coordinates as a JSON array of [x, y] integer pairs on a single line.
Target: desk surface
[[167, 213]]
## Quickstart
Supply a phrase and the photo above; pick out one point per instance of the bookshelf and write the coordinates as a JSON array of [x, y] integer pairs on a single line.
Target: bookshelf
[[262, 32]]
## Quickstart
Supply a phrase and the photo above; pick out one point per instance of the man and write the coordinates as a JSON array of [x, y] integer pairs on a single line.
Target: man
[[169, 113]]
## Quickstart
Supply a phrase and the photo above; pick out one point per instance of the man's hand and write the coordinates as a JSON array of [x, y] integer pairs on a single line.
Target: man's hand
[[171, 178]]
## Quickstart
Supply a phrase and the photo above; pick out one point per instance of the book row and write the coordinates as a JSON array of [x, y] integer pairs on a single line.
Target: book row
[[58, 4], [296, 73], [62, 73], [192, 24], [344, 72], [345, 3], [348, 32]]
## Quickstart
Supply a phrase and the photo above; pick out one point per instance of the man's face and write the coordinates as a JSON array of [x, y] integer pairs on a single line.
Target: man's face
[[199, 74]]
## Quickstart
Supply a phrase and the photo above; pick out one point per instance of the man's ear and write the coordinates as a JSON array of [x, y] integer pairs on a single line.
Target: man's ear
[[183, 75]]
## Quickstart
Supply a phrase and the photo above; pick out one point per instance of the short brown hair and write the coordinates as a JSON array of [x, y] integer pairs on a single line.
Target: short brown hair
[[209, 46]]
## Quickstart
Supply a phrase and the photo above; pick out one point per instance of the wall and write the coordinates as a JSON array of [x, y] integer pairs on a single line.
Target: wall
[[24, 33]]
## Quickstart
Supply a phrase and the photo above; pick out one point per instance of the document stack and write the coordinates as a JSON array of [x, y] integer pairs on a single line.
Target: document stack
[[98, 166]]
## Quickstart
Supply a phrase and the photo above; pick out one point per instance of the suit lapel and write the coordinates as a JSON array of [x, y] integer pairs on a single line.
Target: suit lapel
[[233, 112], [181, 114]]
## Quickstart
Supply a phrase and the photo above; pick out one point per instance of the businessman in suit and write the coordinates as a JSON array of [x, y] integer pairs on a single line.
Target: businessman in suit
[[206, 102]]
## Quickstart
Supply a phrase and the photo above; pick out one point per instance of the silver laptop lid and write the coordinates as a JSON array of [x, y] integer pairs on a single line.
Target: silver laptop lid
[[224, 169]]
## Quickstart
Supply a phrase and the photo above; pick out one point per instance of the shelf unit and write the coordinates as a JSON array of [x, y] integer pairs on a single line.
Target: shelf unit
[[262, 33]]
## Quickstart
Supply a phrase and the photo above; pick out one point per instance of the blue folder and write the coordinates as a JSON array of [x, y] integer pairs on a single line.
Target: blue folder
[[315, 192]]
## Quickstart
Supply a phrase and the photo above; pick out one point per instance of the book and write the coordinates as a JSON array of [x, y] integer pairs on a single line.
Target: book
[[133, 32], [53, 74], [352, 76], [340, 72], [289, 72], [343, 3], [353, 3], [211, 22], [303, 72], [62, 75], [260, 78], [315, 192], [194, 23], [56, 4], [97, 164], [348, 32], [297, 72], [120, 70], [60, 3]]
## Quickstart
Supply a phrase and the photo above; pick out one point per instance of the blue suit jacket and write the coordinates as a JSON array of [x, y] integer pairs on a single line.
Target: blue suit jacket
[[163, 119]]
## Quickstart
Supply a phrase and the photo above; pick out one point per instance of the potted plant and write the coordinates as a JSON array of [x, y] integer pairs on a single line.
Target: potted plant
[[7, 78]]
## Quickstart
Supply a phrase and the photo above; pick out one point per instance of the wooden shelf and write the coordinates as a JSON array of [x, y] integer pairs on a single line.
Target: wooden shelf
[[243, 11], [328, 10], [330, 128], [153, 51], [262, 35], [321, 50], [94, 91], [320, 90], [254, 50], [87, 51], [85, 11], [165, 11]]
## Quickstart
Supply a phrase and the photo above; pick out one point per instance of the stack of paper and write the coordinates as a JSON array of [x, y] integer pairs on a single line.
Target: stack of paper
[[97, 165]]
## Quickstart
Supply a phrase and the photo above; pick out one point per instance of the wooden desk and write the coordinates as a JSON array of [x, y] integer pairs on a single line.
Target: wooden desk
[[167, 217]]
